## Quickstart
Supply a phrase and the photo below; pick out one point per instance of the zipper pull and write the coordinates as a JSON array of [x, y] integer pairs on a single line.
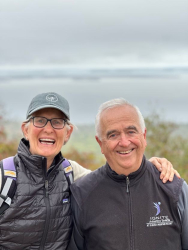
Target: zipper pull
[[46, 187], [128, 182]]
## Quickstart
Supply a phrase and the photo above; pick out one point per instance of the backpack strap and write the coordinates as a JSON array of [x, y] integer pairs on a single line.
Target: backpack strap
[[8, 186], [68, 170]]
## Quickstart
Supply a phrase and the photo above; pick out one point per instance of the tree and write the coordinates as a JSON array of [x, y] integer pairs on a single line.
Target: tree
[[7, 148], [162, 142], [86, 159]]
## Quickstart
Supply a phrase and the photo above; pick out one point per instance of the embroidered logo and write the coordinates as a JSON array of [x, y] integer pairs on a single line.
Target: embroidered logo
[[158, 220], [52, 98], [66, 200], [157, 206]]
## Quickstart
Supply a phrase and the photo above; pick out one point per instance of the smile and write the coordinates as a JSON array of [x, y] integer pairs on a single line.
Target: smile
[[47, 141], [125, 152]]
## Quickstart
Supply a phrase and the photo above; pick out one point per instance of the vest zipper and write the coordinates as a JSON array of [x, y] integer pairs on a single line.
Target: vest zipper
[[46, 187], [47, 203]]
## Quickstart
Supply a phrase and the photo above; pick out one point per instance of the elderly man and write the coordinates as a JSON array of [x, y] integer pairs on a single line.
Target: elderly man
[[124, 205]]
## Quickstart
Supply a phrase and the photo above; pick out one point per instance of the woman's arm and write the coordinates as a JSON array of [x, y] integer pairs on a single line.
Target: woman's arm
[[165, 167]]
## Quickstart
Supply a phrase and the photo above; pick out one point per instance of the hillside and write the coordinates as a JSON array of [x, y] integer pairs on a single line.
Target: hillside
[[82, 139]]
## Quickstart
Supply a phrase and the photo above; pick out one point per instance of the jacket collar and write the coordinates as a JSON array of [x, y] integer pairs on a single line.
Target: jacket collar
[[36, 163], [133, 177]]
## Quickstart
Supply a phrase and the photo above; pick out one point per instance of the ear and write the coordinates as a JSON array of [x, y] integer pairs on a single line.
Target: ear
[[68, 133], [99, 142], [25, 130]]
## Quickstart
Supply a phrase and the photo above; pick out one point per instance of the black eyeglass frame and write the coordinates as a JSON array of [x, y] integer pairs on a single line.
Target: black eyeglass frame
[[48, 120]]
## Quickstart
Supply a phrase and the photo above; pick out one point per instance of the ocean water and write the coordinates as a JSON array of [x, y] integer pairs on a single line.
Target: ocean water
[[163, 90]]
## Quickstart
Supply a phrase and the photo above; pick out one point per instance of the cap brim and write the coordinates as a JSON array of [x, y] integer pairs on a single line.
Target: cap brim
[[45, 107]]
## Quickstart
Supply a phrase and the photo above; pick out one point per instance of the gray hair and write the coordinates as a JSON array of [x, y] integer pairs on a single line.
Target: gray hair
[[112, 104]]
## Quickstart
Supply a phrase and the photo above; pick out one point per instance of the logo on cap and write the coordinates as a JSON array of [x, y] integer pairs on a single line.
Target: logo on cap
[[52, 98]]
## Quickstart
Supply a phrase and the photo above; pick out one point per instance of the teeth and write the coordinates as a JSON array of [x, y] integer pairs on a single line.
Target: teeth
[[125, 152], [47, 141]]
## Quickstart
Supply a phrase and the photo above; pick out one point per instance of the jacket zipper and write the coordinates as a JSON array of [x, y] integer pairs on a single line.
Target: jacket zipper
[[47, 203], [127, 182], [130, 212]]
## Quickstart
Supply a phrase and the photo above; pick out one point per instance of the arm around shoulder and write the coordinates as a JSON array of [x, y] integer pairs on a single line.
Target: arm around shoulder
[[78, 170]]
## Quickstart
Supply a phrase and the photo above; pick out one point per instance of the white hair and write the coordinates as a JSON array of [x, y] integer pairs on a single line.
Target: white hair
[[113, 104]]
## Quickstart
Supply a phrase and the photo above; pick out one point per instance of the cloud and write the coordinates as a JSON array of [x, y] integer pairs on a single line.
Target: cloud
[[73, 31]]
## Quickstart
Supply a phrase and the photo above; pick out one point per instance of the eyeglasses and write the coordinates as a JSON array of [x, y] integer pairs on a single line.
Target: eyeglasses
[[40, 122]]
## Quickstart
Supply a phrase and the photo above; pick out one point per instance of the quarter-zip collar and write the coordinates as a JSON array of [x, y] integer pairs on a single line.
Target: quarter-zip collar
[[133, 177]]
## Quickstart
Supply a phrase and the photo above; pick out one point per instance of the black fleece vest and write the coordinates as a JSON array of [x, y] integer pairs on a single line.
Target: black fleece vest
[[37, 219]]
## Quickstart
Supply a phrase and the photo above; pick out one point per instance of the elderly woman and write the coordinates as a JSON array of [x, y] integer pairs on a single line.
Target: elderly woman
[[39, 216]]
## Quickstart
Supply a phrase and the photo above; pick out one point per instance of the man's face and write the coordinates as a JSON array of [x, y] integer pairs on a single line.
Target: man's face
[[122, 140], [46, 141]]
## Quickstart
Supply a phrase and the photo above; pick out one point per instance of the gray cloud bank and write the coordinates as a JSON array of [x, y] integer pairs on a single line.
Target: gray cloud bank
[[96, 32]]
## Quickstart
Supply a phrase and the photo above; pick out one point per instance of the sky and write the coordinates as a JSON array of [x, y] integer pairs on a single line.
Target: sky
[[95, 34]]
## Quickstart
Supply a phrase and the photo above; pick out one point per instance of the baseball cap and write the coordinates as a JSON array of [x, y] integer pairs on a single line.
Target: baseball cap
[[48, 100]]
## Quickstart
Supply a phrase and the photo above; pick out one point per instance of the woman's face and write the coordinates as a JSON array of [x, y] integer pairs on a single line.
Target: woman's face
[[46, 141]]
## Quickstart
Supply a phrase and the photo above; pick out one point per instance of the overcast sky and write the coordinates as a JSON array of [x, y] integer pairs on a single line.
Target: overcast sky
[[93, 31], [100, 33]]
